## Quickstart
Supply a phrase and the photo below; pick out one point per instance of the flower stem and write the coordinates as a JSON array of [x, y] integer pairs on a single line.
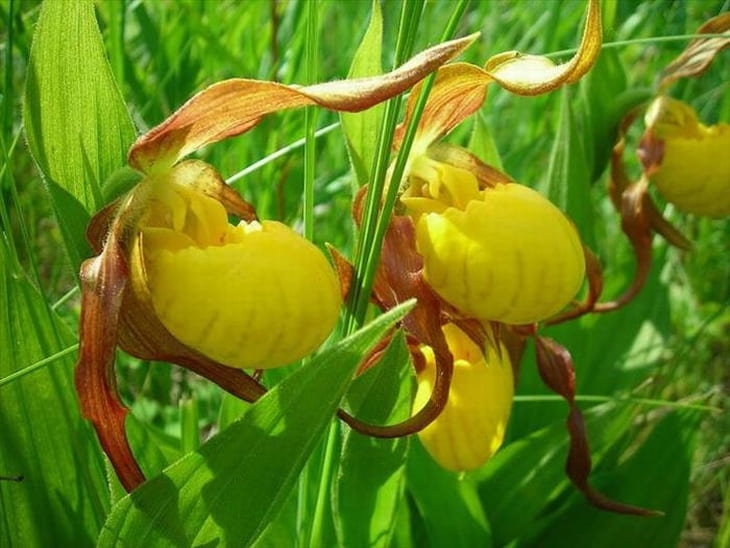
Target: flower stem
[[377, 219]]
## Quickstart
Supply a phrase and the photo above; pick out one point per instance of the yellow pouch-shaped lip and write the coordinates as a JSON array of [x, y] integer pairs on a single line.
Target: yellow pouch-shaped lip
[[503, 254], [255, 295], [471, 426], [265, 300], [694, 173]]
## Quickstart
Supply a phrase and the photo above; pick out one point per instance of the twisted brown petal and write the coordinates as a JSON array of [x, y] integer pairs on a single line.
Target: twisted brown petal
[[700, 52], [104, 279], [556, 369], [533, 75], [234, 106]]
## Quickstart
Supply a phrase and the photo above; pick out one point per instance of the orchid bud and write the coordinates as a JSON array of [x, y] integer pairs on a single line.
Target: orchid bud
[[693, 173], [472, 424], [501, 253]]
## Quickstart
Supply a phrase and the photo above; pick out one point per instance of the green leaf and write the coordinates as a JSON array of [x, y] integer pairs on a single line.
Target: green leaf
[[361, 128], [63, 498], [370, 480], [655, 476], [448, 505], [234, 485], [76, 122], [568, 177], [529, 472]]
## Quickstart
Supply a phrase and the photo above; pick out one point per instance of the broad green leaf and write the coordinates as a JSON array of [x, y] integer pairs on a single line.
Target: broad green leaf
[[361, 128], [234, 485], [77, 125], [369, 485], [568, 176], [63, 498], [655, 476], [529, 472], [448, 505], [482, 143]]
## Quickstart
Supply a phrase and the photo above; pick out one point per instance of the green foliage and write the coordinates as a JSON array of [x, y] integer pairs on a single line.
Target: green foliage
[[207, 494], [265, 474]]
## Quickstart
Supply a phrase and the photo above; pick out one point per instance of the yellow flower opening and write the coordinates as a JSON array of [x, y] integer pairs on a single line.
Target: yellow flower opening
[[471, 426], [694, 173], [503, 253], [252, 295]]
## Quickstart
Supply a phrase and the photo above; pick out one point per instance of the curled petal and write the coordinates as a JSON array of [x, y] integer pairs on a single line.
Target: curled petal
[[635, 224], [399, 278], [533, 75], [700, 52], [234, 106]]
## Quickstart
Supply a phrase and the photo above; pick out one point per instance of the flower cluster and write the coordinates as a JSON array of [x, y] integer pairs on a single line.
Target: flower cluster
[[485, 258]]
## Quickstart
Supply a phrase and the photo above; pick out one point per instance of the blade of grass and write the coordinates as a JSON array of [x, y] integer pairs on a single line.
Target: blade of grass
[[310, 119], [620, 399], [634, 41], [410, 12], [291, 147], [19, 374], [360, 291]]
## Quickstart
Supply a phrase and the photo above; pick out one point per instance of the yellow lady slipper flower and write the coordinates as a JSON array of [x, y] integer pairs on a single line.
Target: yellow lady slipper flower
[[247, 295], [502, 253], [694, 172], [471, 426]]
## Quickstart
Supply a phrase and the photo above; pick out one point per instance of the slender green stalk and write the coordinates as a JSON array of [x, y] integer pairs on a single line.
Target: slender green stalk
[[634, 41], [38, 365], [380, 217], [291, 147], [310, 118], [618, 399], [65, 298], [410, 13]]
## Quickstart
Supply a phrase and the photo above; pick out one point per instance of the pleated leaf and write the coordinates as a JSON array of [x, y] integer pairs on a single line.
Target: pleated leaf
[[568, 177], [77, 125]]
